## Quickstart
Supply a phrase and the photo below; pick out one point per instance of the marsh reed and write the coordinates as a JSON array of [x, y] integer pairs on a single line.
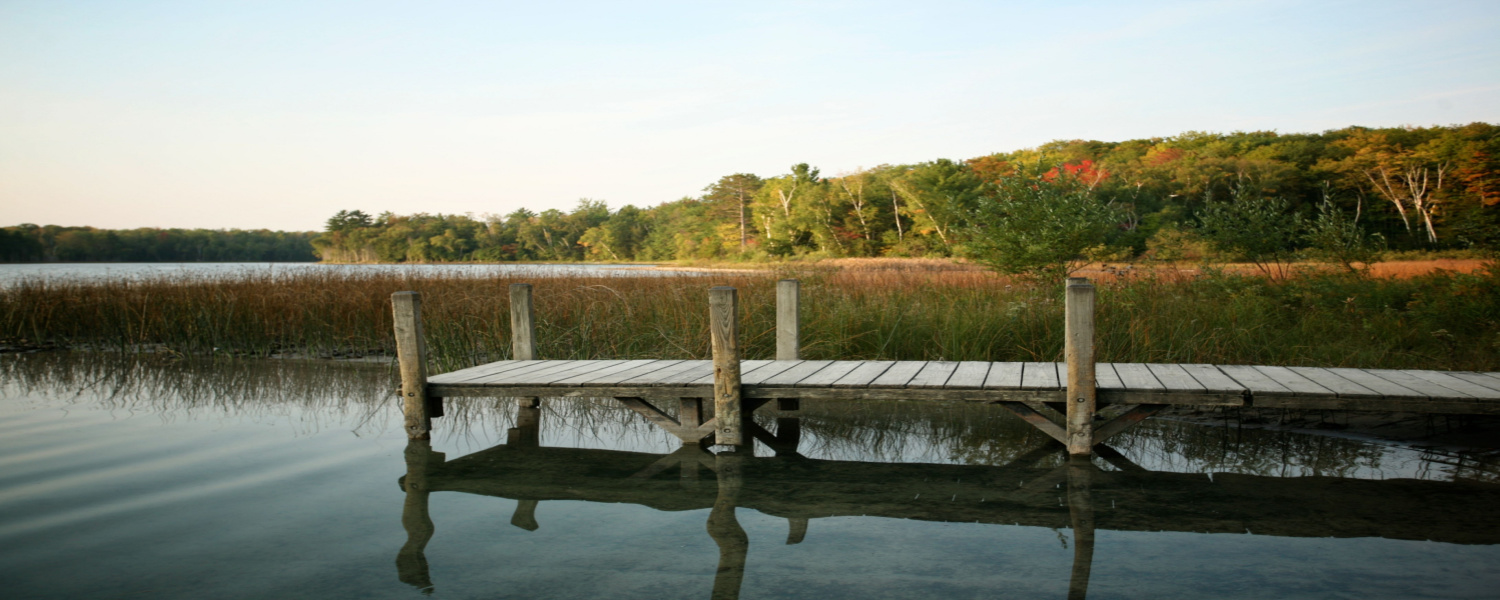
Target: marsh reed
[[1440, 321]]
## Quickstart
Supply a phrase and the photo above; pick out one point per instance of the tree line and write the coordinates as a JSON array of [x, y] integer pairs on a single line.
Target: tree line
[[1358, 188], [1260, 196], [52, 243]]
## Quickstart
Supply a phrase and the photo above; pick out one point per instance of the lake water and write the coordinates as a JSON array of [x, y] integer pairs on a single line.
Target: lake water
[[124, 478], [11, 273]]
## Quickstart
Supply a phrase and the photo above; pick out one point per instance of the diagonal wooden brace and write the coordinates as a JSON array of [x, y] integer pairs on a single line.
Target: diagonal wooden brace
[[1037, 419], [688, 435], [1125, 421]]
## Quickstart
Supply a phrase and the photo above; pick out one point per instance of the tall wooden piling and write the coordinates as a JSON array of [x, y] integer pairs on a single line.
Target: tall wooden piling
[[724, 326], [522, 331], [411, 353], [1080, 356], [788, 330]]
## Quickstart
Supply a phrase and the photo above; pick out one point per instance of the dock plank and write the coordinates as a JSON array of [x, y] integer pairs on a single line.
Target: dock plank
[[970, 375], [790, 377], [701, 369], [1384, 387], [1422, 386], [583, 368], [1137, 377], [1213, 379], [1488, 381], [656, 377], [934, 375], [1105, 377], [829, 374], [898, 374], [1336, 383], [619, 373], [864, 374], [1174, 378], [1039, 376], [1255, 381], [508, 376], [1004, 375], [1294, 382], [771, 370], [479, 371], [1456, 384]]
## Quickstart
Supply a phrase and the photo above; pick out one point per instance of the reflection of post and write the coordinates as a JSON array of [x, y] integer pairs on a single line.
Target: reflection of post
[[1081, 508], [525, 515], [725, 528], [411, 562], [528, 430]]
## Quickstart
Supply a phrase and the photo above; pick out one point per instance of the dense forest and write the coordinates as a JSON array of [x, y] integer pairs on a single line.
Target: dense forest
[[1412, 188], [51, 243], [1340, 195]]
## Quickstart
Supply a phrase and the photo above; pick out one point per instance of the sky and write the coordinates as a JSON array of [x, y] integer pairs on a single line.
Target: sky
[[276, 115]]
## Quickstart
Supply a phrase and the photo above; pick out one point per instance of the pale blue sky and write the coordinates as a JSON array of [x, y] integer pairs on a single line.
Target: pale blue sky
[[278, 114]]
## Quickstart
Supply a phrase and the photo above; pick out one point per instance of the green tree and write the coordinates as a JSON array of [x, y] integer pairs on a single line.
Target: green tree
[[1037, 226]]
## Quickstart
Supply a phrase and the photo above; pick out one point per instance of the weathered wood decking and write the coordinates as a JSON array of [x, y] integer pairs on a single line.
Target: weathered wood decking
[[1117, 383]]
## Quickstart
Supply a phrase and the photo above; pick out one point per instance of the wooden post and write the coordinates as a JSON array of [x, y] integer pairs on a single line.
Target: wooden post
[[724, 327], [522, 331], [788, 320], [1080, 356], [411, 353], [788, 330]]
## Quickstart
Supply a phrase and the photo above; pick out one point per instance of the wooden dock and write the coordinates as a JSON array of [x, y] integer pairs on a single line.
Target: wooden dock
[[1081, 402]]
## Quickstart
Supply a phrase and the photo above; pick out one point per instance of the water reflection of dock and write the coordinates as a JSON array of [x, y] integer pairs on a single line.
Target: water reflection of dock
[[1039, 489]]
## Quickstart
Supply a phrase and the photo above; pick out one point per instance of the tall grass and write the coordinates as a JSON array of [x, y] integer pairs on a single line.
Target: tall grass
[[1441, 321]]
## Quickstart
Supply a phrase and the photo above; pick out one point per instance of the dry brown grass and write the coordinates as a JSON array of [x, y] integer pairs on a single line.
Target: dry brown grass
[[1440, 320]]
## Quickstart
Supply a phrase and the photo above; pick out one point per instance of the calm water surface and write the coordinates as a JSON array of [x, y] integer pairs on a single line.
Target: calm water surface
[[11, 273], [280, 479]]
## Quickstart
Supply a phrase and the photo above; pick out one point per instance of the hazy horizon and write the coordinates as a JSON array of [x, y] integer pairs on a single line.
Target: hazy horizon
[[277, 115]]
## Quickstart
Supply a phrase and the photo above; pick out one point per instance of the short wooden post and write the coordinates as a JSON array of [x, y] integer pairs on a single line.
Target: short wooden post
[[411, 354], [788, 320], [788, 330], [522, 331], [724, 327], [1079, 333]]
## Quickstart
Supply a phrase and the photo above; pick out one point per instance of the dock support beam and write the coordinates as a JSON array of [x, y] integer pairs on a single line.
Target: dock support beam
[[1080, 356], [411, 353], [788, 330], [522, 331], [724, 327]]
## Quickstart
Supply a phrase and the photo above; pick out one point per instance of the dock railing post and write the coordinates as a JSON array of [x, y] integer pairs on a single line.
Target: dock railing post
[[522, 331], [411, 354], [724, 328], [788, 329], [1079, 351]]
